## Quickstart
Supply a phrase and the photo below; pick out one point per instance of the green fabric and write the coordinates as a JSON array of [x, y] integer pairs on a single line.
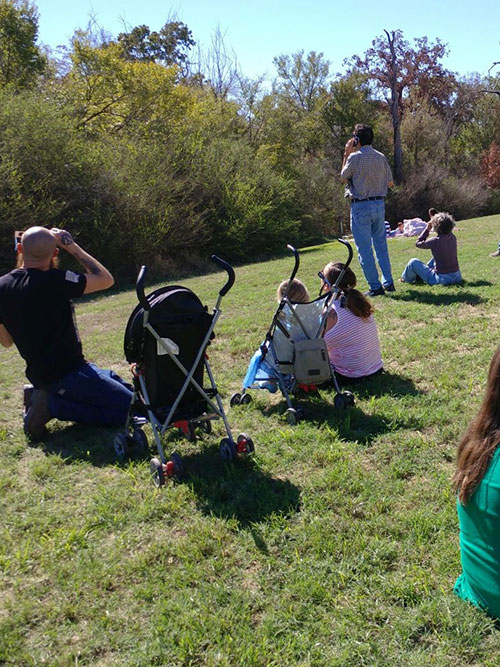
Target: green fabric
[[479, 520]]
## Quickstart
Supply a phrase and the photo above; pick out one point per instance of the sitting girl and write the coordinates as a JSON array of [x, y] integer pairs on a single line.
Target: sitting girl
[[443, 268], [351, 333], [477, 483], [260, 372], [297, 292]]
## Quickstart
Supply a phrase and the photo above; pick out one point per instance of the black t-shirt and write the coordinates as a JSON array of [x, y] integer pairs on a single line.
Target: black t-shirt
[[36, 310]]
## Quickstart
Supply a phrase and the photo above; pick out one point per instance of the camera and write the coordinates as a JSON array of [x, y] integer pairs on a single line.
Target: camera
[[17, 239], [356, 141]]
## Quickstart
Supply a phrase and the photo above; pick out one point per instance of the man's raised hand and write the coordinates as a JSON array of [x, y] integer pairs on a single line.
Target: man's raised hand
[[62, 237]]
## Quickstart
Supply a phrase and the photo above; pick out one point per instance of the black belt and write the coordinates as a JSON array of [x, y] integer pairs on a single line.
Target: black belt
[[367, 199]]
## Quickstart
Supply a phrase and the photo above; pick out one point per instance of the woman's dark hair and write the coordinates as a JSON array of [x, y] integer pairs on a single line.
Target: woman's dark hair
[[355, 301], [481, 438], [443, 223]]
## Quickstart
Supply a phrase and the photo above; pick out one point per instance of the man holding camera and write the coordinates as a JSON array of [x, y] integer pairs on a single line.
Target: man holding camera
[[368, 176], [36, 313]]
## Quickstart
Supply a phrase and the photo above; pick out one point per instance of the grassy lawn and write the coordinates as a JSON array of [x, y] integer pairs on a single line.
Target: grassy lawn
[[335, 544]]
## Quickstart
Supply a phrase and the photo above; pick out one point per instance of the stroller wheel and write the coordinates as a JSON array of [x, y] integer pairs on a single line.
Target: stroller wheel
[[140, 440], [245, 399], [177, 469], [348, 399], [157, 472], [227, 449], [120, 445], [339, 401], [244, 444], [292, 416], [235, 399]]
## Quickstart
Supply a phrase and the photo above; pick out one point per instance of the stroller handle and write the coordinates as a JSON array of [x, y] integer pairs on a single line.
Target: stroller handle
[[230, 274], [349, 248], [139, 287], [297, 261]]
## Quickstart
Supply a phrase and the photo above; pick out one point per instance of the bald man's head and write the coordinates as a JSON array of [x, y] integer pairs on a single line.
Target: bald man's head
[[38, 245]]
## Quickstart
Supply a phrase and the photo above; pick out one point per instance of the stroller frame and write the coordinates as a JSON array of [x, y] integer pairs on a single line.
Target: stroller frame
[[160, 467], [289, 385]]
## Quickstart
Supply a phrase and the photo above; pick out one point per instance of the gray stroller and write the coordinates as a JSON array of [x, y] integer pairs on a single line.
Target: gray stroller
[[293, 356]]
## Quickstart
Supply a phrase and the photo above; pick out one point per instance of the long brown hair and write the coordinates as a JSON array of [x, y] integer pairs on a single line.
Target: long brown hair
[[355, 301], [481, 438]]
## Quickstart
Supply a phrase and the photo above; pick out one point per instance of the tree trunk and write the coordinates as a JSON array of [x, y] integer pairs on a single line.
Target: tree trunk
[[394, 107]]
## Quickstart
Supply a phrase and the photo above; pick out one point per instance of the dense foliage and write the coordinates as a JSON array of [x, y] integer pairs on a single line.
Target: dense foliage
[[147, 156]]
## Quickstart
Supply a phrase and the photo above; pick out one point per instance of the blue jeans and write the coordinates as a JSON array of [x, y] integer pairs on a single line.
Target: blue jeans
[[367, 226], [428, 273], [90, 395]]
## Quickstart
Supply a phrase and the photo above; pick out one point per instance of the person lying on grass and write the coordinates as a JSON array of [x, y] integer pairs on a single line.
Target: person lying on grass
[[443, 268], [36, 313], [477, 484], [351, 334]]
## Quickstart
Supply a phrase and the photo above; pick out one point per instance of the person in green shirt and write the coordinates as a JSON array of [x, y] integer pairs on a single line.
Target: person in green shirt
[[477, 483]]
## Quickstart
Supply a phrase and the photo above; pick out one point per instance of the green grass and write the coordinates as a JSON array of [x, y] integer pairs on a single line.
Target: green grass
[[336, 544]]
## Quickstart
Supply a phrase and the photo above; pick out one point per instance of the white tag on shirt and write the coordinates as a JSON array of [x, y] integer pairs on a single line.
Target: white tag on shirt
[[72, 277]]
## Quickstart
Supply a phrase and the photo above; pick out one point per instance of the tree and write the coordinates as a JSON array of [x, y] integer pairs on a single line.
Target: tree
[[349, 100], [490, 166], [302, 80], [169, 46], [20, 58], [396, 68], [219, 67]]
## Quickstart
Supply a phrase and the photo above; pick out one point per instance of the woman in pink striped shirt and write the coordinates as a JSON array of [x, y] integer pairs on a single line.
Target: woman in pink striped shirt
[[351, 332]]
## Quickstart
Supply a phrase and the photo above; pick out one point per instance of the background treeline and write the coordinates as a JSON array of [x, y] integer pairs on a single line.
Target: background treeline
[[149, 149]]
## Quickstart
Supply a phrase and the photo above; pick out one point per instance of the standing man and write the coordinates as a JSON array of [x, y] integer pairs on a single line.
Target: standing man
[[368, 176], [36, 313]]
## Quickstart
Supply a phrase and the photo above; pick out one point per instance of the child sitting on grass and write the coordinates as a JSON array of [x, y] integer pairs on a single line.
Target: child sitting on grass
[[297, 292], [443, 268], [260, 371], [351, 334]]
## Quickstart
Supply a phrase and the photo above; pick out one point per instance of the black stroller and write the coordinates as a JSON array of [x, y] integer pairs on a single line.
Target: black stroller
[[165, 341], [293, 356]]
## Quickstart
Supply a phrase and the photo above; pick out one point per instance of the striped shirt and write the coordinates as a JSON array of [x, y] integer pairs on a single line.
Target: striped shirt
[[367, 173], [353, 344]]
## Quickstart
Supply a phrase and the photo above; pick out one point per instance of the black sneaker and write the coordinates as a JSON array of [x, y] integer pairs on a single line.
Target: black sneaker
[[375, 292], [37, 414], [390, 288]]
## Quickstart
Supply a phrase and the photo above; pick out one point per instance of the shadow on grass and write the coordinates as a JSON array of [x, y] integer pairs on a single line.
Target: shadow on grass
[[385, 383], [352, 423], [81, 442], [423, 294], [239, 490], [476, 283]]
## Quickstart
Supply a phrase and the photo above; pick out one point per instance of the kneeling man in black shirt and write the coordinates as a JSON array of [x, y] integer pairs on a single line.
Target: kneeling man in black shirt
[[36, 313]]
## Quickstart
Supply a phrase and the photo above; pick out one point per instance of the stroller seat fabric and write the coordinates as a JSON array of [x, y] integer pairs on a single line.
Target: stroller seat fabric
[[180, 319], [294, 346]]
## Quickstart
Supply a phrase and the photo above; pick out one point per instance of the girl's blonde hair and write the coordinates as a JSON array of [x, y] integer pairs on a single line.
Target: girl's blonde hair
[[355, 301], [297, 292]]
